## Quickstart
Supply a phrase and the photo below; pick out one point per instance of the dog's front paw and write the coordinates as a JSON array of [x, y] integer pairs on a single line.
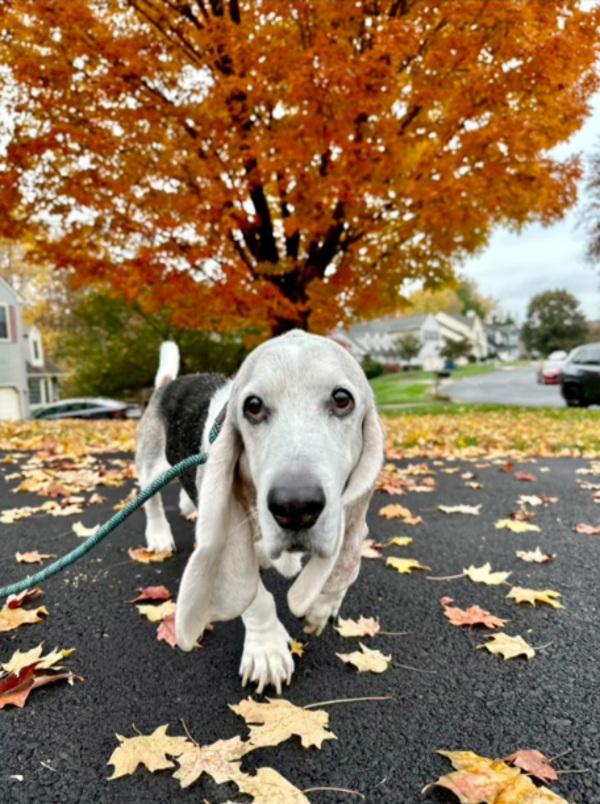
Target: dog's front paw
[[160, 539], [326, 607], [267, 659]]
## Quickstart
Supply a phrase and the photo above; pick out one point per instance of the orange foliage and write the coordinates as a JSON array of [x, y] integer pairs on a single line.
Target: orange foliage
[[275, 163]]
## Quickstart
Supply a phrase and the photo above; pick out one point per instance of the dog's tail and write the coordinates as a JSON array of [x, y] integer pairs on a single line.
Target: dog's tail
[[168, 364]]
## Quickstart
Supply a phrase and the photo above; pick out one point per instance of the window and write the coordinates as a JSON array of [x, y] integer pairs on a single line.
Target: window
[[35, 390], [36, 349], [589, 355], [4, 336]]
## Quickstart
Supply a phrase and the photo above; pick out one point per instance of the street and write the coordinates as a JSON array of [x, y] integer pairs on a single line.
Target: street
[[445, 694], [510, 386]]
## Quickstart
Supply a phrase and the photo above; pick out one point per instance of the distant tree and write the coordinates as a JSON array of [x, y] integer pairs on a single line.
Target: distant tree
[[408, 347], [112, 347], [454, 350], [471, 299], [456, 299], [554, 321]]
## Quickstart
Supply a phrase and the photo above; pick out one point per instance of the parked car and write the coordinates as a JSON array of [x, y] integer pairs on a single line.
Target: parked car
[[580, 378], [550, 370], [88, 408]]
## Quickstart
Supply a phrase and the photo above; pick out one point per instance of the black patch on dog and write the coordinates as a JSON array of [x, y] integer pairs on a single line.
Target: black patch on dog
[[183, 405]]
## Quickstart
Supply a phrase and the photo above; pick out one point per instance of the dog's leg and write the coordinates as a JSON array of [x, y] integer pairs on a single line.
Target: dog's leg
[[186, 506], [158, 531], [266, 658]]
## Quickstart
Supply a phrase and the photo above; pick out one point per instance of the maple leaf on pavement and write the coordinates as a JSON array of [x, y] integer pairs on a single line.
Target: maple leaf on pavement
[[34, 656], [400, 512], [527, 477], [366, 660], [145, 556], [33, 557], [364, 626], [508, 646], [13, 615], [151, 750], [371, 549], [485, 575], [475, 510], [533, 596], [587, 530], [405, 565], [516, 526], [474, 615], [157, 613], [215, 759], [534, 763], [277, 720], [166, 631], [152, 593], [79, 529], [535, 556], [25, 672], [400, 541], [479, 780], [269, 786]]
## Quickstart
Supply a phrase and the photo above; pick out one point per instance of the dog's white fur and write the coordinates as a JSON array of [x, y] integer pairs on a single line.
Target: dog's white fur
[[236, 534]]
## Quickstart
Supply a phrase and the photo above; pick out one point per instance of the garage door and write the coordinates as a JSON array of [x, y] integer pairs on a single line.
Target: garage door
[[9, 404]]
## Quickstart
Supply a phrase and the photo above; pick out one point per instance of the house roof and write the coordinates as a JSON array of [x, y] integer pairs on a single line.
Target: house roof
[[48, 369], [389, 324]]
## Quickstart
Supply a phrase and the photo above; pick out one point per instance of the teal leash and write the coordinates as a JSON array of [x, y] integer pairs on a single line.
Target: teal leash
[[113, 522]]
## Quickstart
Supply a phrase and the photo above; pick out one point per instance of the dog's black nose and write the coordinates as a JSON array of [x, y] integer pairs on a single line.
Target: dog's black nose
[[296, 507]]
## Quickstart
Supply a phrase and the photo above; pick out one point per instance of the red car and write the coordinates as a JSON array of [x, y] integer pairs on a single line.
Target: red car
[[550, 371]]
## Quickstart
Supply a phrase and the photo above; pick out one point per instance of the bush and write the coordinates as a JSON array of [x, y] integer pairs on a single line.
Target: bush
[[372, 368]]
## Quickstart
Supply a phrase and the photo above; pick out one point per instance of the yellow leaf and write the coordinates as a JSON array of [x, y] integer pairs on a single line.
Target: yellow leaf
[[508, 646], [14, 618], [485, 575], [516, 526], [475, 510], [366, 660], [34, 656], [405, 565], [533, 596], [158, 613], [268, 786], [150, 750], [79, 529], [401, 541], [297, 648], [395, 511], [274, 722], [535, 556], [145, 556], [364, 626], [216, 759]]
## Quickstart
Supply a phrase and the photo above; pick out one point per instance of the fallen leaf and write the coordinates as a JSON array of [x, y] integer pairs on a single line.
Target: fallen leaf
[[536, 499], [506, 468], [151, 750], [526, 477], [158, 613], [535, 556], [523, 515], [219, 760], [401, 541], [166, 631], [268, 786], [371, 549], [33, 557], [363, 627], [451, 470], [508, 646], [152, 593], [517, 527], [13, 616], [485, 575], [534, 763], [277, 720], [479, 780], [587, 530], [533, 596], [14, 601], [366, 660], [400, 512], [474, 615], [19, 660], [474, 484], [97, 499], [297, 648], [16, 687], [79, 529], [475, 510], [405, 565], [145, 556]]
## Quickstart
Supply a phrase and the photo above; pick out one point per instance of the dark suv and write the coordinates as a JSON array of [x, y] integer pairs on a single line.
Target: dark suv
[[580, 378]]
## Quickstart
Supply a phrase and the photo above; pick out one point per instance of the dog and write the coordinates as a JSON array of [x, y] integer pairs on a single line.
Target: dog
[[289, 476]]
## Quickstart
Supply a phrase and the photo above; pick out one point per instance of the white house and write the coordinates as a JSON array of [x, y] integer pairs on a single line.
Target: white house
[[27, 378], [504, 338], [379, 339], [467, 327]]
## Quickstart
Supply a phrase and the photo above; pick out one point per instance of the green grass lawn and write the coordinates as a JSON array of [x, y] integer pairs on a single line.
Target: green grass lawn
[[416, 387]]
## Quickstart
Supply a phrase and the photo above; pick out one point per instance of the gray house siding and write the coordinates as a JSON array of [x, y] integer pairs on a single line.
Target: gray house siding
[[13, 376]]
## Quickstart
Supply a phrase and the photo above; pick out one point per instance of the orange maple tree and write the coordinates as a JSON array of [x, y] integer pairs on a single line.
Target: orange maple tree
[[284, 162]]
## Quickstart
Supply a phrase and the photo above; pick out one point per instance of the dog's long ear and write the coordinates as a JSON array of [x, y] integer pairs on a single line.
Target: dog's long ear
[[362, 480], [341, 568], [221, 577]]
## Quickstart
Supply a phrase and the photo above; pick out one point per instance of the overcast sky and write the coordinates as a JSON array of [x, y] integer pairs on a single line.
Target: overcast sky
[[516, 266]]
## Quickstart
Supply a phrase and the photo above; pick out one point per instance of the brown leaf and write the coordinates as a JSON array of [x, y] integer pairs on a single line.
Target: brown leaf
[[152, 593], [474, 615], [534, 763], [166, 631], [400, 512], [370, 549], [33, 557], [526, 477], [14, 601], [274, 722], [12, 618], [145, 556], [587, 530]]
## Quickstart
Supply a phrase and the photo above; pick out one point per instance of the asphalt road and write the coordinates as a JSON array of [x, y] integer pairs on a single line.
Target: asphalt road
[[445, 693], [509, 386]]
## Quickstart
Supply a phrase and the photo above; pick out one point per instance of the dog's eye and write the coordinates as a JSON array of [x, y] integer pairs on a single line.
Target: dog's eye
[[255, 410], [342, 402]]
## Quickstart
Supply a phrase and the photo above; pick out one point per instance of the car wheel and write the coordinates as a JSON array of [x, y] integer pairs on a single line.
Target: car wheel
[[574, 397]]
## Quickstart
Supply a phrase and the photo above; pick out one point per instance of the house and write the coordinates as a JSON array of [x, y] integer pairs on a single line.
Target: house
[[379, 339], [27, 379], [467, 327], [504, 339]]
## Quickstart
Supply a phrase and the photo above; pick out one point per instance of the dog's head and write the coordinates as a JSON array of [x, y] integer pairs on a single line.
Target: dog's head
[[301, 433]]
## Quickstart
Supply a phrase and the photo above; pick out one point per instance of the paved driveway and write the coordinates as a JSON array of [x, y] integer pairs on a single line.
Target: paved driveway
[[445, 693], [510, 386]]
